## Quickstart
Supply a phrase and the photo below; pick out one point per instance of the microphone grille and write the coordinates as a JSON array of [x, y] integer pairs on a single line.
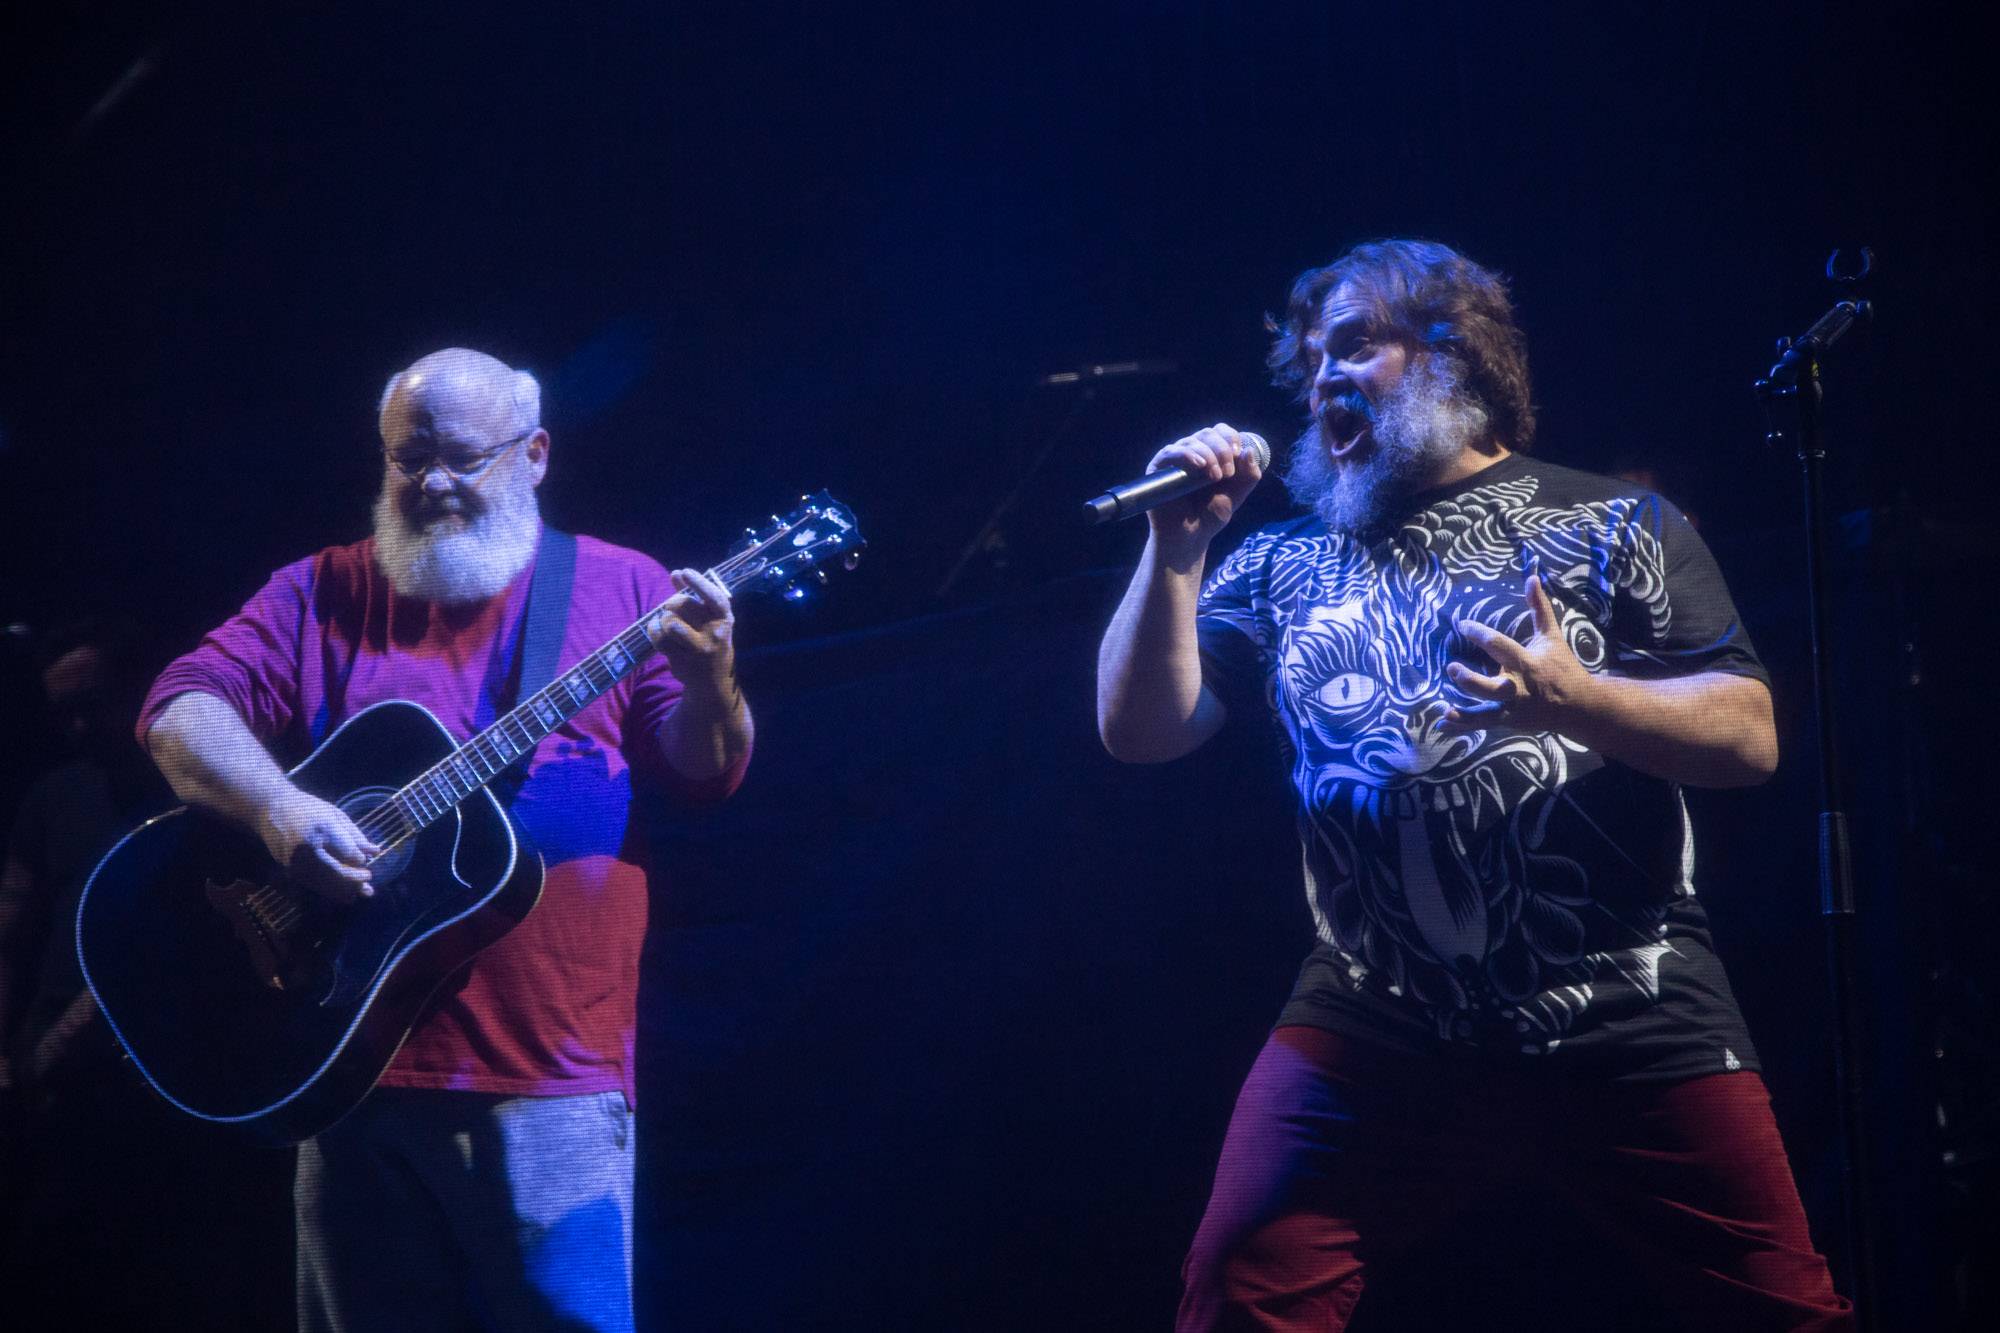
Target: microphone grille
[[1258, 449]]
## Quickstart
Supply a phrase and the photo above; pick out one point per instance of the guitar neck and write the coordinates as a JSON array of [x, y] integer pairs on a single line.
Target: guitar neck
[[788, 550], [469, 768]]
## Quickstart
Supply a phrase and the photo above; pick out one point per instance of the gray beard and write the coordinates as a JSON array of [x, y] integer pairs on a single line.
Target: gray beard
[[1422, 427], [458, 565]]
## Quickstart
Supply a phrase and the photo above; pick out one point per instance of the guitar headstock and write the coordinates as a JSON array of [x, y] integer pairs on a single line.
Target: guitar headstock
[[789, 554]]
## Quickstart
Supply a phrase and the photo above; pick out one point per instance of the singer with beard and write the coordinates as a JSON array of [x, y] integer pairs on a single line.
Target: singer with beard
[[488, 1178], [1491, 677]]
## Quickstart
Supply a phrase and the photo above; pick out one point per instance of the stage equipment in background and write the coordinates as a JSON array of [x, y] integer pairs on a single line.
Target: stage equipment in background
[[1107, 370], [1795, 379], [991, 539], [1156, 488], [245, 999]]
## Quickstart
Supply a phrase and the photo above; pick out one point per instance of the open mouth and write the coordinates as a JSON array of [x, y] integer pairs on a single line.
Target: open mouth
[[1342, 427], [441, 517]]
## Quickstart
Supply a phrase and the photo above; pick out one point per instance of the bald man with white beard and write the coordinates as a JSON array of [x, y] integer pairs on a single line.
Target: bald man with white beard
[[489, 1176]]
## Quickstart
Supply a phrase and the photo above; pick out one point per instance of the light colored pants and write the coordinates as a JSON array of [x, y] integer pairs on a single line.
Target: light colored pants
[[449, 1210]]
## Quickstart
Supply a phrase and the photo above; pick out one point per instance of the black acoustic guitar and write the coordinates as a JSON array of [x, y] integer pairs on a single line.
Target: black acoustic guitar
[[247, 1000]]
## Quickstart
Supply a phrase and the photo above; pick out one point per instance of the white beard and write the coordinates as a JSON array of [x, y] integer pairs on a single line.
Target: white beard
[[455, 564], [1423, 425]]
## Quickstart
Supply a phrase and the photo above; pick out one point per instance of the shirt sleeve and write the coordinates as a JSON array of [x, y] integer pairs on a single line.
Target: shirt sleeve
[[1691, 623], [1233, 627], [250, 661]]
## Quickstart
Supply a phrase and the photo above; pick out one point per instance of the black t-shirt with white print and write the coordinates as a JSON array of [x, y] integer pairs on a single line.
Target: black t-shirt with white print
[[1503, 894]]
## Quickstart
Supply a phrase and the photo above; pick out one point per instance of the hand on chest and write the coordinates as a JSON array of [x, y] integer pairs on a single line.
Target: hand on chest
[[1363, 671]]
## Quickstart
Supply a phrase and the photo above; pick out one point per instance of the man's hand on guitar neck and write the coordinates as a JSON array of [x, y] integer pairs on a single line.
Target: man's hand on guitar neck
[[319, 846], [710, 730], [696, 629]]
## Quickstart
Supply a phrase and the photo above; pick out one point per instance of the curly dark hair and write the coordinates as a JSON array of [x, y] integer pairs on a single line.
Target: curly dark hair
[[1438, 299]]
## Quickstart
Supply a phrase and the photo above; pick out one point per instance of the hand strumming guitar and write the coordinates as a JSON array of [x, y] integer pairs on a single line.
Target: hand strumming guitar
[[318, 845]]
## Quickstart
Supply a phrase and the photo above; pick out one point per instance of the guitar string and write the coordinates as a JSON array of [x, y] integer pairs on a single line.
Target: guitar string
[[262, 898], [282, 919], [470, 758], [387, 817], [391, 817]]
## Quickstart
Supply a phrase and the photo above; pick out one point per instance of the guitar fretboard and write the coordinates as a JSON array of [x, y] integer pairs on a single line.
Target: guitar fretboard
[[434, 794], [791, 547]]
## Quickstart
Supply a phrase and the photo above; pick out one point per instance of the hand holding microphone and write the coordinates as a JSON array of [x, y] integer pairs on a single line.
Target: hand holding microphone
[[1192, 487]]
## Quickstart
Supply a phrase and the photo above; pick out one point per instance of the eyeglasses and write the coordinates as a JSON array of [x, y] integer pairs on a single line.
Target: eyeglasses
[[416, 463]]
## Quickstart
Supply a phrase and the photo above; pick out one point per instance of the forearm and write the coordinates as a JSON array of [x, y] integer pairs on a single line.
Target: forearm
[[212, 760], [709, 732], [1707, 730], [1151, 705]]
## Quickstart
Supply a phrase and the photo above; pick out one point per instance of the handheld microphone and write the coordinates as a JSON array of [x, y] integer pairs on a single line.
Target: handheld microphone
[[1156, 488]]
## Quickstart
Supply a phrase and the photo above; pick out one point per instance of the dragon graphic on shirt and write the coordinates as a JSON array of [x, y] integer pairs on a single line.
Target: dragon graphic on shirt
[[1430, 865]]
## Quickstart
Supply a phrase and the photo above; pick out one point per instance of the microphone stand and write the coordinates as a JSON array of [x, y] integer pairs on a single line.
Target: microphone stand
[[989, 537], [1796, 377]]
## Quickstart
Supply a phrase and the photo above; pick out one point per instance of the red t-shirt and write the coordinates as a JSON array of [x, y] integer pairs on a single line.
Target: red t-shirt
[[551, 1008]]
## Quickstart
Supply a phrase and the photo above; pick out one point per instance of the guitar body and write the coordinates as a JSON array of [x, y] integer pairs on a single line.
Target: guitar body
[[244, 1000]]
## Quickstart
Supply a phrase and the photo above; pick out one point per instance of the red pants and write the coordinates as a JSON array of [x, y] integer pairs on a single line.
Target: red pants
[[1340, 1156]]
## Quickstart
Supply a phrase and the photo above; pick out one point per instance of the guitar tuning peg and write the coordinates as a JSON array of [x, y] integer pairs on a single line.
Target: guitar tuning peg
[[750, 533], [777, 522], [819, 577]]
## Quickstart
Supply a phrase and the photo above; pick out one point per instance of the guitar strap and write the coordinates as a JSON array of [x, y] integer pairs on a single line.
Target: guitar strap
[[541, 635]]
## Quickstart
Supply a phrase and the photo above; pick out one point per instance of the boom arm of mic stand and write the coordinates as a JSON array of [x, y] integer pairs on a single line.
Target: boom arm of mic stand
[[1827, 330], [989, 530]]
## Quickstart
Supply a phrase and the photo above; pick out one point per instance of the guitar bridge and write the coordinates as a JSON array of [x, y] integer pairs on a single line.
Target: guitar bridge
[[264, 919]]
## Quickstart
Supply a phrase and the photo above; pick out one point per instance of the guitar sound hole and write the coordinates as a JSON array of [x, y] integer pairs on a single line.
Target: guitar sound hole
[[357, 805]]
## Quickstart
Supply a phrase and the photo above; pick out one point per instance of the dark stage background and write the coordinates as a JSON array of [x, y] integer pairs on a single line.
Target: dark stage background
[[945, 1011]]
